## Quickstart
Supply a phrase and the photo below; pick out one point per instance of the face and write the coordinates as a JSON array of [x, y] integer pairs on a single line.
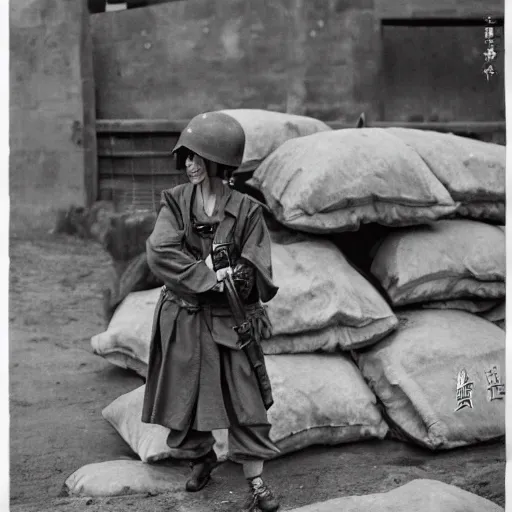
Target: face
[[196, 169]]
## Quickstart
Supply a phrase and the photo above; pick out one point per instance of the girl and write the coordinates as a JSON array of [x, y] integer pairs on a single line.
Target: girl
[[198, 378]]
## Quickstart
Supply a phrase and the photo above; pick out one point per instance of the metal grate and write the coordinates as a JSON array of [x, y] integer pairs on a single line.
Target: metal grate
[[135, 167]]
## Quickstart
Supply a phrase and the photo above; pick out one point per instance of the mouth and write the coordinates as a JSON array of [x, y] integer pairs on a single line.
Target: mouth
[[195, 173]]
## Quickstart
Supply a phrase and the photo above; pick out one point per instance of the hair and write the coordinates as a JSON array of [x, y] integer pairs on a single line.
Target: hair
[[213, 169]]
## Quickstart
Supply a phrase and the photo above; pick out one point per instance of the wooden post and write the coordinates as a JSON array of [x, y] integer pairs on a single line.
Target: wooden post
[[88, 129]]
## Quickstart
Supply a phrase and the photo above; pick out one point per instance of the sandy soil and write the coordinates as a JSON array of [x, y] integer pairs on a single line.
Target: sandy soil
[[58, 389]]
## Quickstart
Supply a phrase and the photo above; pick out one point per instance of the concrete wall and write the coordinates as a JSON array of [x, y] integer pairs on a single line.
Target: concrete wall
[[52, 139], [322, 58], [178, 59]]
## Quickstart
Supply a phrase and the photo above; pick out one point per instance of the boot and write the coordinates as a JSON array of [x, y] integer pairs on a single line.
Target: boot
[[201, 470], [260, 497]]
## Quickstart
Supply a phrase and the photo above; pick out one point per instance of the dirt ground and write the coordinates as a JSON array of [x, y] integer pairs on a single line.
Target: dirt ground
[[58, 388]]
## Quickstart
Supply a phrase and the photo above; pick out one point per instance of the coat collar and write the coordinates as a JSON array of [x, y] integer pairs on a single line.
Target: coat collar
[[233, 203]]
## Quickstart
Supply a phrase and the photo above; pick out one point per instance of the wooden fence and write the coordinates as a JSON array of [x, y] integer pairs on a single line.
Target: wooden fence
[[135, 162]]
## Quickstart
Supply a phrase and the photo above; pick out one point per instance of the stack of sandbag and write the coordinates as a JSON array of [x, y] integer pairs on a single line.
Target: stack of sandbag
[[455, 264], [323, 304], [334, 181], [445, 271], [318, 399], [323, 182]]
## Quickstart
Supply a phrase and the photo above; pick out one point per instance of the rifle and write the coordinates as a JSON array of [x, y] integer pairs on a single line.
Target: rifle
[[243, 329]]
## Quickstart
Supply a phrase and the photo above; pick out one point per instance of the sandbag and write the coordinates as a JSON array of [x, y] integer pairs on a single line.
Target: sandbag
[[439, 378], [125, 240], [265, 131], [472, 171], [148, 441], [450, 259], [497, 315], [318, 399], [318, 288], [334, 181], [421, 495], [126, 341], [323, 303], [122, 477]]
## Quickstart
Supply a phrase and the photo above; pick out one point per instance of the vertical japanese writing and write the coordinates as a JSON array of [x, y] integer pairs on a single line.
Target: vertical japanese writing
[[491, 50], [464, 391], [495, 387]]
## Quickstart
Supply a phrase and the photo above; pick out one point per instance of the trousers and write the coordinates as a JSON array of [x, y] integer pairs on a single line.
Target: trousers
[[245, 443]]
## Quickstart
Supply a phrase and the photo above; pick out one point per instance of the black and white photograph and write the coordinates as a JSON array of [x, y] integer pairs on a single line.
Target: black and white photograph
[[257, 256]]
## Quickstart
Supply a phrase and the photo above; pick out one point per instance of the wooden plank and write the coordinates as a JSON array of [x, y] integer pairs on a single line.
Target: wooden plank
[[88, 133], [137, 141], [123, 172], [107, 126], [142, 186], [403, 9], [478, 21], [140, 126], [113, 153], [449, 127]]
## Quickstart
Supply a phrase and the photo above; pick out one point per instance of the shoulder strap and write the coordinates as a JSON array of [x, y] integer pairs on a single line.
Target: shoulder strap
[[225, 229]]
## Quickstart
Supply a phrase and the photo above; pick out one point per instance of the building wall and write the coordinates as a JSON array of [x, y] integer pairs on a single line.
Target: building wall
[[330, 59], [178, 59], [52, 139]]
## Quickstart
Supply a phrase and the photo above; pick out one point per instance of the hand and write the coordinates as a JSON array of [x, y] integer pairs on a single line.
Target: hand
[[244, 278], [221, 255], [222, 273], [209, 262]]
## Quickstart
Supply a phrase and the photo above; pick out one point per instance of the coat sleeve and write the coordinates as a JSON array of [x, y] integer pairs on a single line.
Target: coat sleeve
[[169, 261], [256, 248]]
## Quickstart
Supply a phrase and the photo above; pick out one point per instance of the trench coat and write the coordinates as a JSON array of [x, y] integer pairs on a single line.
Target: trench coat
[[197, 377]]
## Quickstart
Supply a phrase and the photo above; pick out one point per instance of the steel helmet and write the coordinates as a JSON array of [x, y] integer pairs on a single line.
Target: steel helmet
[[214, 136]]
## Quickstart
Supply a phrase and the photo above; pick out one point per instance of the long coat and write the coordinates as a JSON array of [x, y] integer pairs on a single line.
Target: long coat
[[197, 377]]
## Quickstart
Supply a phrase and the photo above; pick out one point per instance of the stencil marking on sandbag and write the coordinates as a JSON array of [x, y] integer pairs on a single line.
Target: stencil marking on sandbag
[[464, 391], [496, 388]]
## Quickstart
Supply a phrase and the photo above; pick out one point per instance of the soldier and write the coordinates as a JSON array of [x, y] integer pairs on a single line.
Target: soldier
[[199, 378]]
